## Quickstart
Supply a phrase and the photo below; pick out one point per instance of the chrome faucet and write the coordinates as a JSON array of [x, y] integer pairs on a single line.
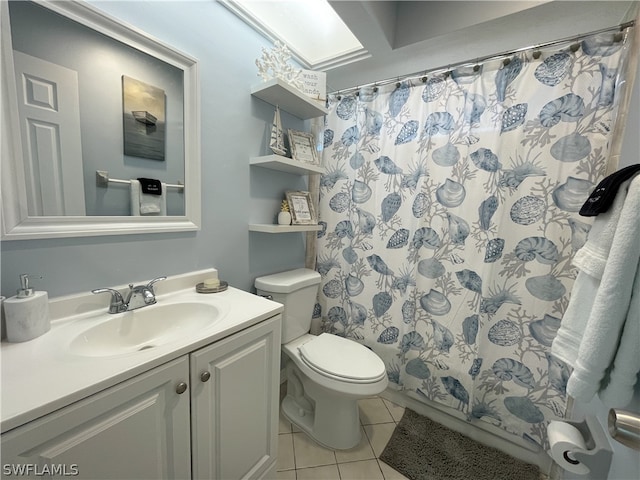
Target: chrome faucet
[[139, 296], [142, 295]]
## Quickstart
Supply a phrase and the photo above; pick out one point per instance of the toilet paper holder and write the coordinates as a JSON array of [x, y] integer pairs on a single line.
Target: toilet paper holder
[[597, 458]]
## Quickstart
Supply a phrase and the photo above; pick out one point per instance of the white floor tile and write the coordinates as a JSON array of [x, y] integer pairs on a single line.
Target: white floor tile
[[286, 459], [363, 470], [389, 473], [310, 454], [361, 452], [286, 475], [373, 410], [396, 410], [327, 472], [379, 435]]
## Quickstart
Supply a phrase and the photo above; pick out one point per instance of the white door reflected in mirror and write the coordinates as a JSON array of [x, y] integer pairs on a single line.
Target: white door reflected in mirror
[[49, 114]]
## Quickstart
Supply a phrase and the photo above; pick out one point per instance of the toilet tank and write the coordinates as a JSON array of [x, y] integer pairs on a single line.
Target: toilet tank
[[297, 291]]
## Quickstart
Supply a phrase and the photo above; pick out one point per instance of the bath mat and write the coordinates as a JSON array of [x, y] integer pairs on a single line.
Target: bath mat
[[422, 449]]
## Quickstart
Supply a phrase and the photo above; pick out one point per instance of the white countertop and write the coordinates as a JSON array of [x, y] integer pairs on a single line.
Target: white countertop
[[42, 375]]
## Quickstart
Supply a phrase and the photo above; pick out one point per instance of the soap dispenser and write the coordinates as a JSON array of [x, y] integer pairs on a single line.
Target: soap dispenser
[[26, 314]]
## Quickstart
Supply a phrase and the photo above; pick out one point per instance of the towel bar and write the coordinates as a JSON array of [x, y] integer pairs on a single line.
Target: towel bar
[[102, 180]]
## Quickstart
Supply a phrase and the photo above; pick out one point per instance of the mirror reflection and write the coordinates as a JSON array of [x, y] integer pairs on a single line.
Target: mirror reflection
[[95, 114]]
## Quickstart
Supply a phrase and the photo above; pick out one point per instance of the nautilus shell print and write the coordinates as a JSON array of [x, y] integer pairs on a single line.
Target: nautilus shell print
[[568, 108]]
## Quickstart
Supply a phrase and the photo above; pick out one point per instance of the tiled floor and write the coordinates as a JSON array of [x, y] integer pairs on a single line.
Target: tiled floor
[[300, 458]]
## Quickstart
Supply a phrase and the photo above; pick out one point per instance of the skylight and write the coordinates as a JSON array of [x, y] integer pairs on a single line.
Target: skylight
[[314, 33]]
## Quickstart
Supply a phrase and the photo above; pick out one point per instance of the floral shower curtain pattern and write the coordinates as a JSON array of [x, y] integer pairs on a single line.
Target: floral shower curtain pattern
[[449, 213]]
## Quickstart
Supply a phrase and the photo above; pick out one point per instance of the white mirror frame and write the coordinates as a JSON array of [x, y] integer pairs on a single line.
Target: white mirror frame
[[16, 224]]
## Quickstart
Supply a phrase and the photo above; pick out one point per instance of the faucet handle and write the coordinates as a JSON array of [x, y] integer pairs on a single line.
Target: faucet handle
[[117, 304], [115, 294], [155, 280]]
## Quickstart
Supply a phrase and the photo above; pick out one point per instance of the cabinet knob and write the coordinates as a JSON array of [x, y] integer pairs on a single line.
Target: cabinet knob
[[205, 376], [181, 388]]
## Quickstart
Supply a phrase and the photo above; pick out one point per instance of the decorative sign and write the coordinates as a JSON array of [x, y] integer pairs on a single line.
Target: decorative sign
[[315, 85], [301, 207], [303, 147]]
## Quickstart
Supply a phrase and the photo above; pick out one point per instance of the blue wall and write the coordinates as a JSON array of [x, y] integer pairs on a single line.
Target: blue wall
[[234, 128]]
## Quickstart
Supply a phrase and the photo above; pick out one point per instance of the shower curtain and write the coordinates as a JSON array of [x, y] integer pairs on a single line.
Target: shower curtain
[[449, 210]]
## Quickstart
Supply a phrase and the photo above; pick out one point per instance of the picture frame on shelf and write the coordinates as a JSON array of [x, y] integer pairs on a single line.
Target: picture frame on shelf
[[303, 147], [301, 208]]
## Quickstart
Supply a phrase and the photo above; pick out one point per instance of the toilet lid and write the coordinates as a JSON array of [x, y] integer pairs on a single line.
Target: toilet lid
[[340, 357]]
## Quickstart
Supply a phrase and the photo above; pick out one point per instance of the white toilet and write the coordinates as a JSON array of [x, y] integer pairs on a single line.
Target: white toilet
[[326, 374]]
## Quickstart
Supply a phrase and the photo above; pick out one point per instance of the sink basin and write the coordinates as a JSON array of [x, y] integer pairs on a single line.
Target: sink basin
[[143, 329]]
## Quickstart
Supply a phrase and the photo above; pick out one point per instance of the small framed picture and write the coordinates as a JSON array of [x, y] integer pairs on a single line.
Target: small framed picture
[[302, 211], [303, 147]]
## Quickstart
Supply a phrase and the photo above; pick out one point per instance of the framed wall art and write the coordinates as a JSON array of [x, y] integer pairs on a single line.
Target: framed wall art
[[144, 119], [301, 207], [303, 147]]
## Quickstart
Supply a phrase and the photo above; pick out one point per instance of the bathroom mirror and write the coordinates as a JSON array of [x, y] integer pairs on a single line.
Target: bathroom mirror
[[82, 186]]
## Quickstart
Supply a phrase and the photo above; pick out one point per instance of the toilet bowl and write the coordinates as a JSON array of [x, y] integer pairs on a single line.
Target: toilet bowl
[[326, 374]]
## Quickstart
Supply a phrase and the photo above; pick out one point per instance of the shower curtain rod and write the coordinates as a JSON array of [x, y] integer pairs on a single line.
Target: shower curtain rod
[[478, 60]]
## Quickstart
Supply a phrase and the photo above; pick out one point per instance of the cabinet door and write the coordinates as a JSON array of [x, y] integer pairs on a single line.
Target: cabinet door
[[234, 411], [138, 429]]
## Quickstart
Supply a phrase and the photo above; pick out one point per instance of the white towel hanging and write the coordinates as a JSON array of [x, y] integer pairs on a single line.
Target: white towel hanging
[[145, 204]]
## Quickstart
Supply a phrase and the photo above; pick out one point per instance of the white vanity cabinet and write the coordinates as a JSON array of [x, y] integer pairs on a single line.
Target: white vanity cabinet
[[137, 429], [210, 414], [234, 405]]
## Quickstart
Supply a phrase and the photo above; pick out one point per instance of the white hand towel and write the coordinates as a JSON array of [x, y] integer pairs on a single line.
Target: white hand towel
[[590, 260], [626, 366], [145, 204], [600, 346]]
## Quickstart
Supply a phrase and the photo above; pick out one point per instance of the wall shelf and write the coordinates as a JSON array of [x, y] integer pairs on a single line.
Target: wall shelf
[[284, 164], [288, 98], [270, 228]]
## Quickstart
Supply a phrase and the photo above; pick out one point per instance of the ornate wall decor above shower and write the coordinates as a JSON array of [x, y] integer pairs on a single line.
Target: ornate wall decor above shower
[[274, 63], [451, 211]]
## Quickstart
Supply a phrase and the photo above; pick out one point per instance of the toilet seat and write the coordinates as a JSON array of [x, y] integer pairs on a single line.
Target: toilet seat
[[342, 359]]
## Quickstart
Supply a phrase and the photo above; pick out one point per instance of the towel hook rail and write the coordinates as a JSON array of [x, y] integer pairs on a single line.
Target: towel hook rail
[[103, 180]]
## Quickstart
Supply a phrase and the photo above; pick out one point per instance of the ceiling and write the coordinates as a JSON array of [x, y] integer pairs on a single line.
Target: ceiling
[[315, 35], [404, 37]]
